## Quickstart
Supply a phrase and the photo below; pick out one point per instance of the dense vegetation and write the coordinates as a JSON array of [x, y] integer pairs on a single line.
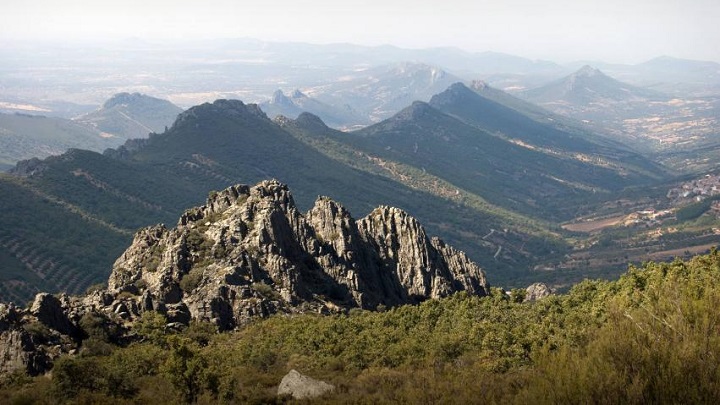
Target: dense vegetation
[[651, 336]]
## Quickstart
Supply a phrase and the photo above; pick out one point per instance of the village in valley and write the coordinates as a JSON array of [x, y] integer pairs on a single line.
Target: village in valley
[[690, 193], [698, 190], [684, 194]]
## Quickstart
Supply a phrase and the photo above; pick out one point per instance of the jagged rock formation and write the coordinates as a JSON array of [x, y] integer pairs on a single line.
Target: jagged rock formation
[[247, 253], [300, 386]]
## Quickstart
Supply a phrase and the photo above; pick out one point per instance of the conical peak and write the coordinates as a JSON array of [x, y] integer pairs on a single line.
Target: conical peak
[[307, 120], [416, 110], [122, 98], [587, 71], [456, 91], [298, 94], [279, 97]]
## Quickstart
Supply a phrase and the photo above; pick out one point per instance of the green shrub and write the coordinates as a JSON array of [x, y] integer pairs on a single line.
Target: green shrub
[[38, 331], [151, 326], [264, 290], [192, 279]]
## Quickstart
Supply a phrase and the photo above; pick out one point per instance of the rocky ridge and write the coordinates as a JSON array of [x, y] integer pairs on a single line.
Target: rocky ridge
[[247, 253]]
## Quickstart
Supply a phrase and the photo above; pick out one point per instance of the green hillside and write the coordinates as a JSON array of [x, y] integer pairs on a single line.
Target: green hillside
[[27, 136], [516, 176], [485, 177], [215, 145], [47, 244]]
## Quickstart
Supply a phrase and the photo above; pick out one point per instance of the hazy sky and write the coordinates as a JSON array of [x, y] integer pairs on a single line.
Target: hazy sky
[[560, 30]]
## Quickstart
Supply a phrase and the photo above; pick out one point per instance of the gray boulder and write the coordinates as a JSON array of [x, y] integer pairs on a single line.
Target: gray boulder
[[537, 291], [303, 387]]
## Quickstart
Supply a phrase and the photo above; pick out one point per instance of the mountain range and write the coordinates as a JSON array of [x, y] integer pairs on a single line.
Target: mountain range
[[108, 196], [479, 181], [379, 92], [496, 152]]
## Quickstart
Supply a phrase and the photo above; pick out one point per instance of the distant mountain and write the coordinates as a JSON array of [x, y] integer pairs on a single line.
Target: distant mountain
[[510, 172], [681, 78], [208, 148], [297, 103], [280, 104], [25, 136], [499, 113], [122, 117], [676, 69], [347, 55], [587, 87], [380, 92], [679, 129], [129, 116]]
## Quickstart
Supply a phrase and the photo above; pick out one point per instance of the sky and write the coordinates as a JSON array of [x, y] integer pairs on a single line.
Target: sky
[[621, 31]]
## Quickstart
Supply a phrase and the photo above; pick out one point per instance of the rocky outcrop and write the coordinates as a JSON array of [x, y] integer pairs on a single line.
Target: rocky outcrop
[[28, 168], [300, 386], [51, 312], [29, 343], [249, 252]]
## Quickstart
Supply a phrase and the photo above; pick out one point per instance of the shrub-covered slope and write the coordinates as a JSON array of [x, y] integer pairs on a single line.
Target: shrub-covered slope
[[651, 336]]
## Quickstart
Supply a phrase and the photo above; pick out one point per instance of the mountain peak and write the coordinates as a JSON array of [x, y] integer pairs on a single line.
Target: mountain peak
[[279, 97], [455, 91], [221, 107], [310, 121], [416, 110], [123, 99], [414, 68], [458, 87], [298, 94], [588, 71], [587, 87], [479, 85]]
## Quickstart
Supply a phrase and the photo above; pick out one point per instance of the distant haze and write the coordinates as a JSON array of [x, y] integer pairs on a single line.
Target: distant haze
[[627, 31]]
